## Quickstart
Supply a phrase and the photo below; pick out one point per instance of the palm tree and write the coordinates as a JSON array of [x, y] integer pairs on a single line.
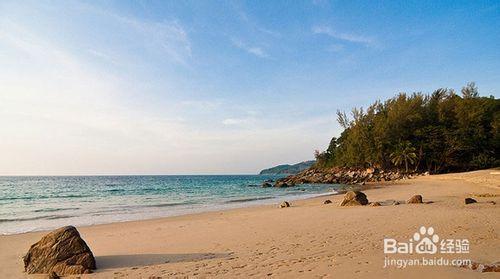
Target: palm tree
[[404, 153]]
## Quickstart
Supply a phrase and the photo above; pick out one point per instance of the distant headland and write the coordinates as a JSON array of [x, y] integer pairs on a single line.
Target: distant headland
[[288, 169]]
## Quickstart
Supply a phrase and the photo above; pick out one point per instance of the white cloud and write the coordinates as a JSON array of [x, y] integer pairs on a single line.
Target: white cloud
[[170, 37], [235, 121], [201, 105], [257, 51], [348, 37], [167, 37]]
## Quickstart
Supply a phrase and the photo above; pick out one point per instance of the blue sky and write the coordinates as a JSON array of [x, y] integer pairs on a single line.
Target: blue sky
[[179, 87]]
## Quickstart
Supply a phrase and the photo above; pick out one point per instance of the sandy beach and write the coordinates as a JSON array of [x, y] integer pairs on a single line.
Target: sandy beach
[[308, 240]]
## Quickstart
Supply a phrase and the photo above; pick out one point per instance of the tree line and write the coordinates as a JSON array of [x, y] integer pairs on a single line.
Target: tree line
[[437, 132]]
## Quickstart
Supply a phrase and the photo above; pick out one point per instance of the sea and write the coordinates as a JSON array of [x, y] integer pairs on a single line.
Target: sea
[[46, 202]]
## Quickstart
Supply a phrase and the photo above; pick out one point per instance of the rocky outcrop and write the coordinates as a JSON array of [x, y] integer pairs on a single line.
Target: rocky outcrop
[[415, 199], [341, 176], [354, 198], [327, 202], [284, 204], [282, 184], [62, 252]]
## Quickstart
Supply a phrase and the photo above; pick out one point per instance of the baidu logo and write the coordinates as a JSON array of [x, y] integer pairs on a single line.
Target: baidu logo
[[425, 244], [426, 241]]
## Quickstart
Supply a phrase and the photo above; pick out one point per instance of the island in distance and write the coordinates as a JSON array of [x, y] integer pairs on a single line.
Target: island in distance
[[288, 169]]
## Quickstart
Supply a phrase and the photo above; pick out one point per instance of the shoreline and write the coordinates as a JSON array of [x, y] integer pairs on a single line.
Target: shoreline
[[308, 239], [109, 200], [260, 202], [237, 205]]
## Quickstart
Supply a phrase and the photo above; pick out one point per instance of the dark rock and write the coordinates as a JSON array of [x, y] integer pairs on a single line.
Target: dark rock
[[327, 202], [53, 275], [415, 199], [470, 200], [62, 252], [281, 184], [284, 204], [266, 184], [354, 198]]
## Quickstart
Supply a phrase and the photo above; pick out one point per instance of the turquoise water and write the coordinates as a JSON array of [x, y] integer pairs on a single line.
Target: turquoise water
[[39, 203]]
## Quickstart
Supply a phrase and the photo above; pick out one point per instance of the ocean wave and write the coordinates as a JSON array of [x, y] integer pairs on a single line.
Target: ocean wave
[[44, 197], [167, 204], [249, 199], [46, 217], [131, 208], [54, 209], [115, 190]]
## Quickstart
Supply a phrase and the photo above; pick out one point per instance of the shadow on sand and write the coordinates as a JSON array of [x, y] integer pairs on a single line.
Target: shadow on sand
[[119, 261]]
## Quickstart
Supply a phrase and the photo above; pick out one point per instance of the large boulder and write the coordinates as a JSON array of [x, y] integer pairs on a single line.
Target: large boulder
[[354, 198], [415, 199], [62, 251]]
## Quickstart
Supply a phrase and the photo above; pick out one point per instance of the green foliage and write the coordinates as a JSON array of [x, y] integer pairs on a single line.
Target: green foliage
[[436, 132], [404, 153]]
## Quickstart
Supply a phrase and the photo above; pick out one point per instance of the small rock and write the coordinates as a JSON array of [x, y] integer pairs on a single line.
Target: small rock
[[415, 199], [327, 202], [375, 204], [266, 184], [470, 200], [354, 198], [396, 203], [284, 204], [53, 275]]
